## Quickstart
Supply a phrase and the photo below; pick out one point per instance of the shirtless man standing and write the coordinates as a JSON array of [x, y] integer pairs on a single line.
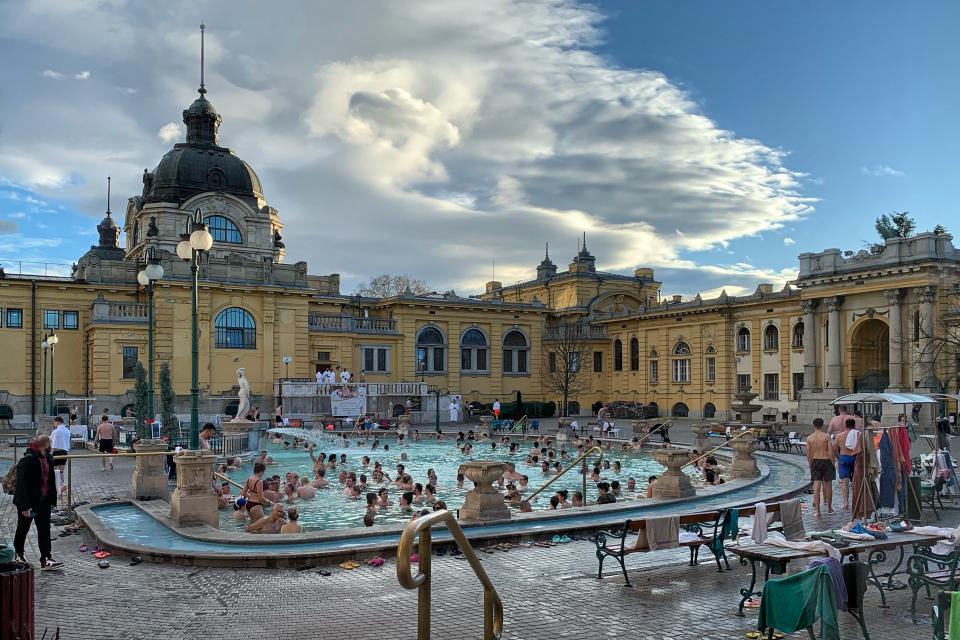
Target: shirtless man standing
[[821, 456], [836, 422], [848, 445]]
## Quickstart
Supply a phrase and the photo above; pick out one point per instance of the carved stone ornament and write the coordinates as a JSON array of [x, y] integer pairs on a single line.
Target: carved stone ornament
[[808, 306], [893, 296], [926, 294], [834, 303]]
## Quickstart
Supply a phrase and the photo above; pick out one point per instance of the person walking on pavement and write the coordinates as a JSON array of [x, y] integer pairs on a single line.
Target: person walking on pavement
[[34, 496]]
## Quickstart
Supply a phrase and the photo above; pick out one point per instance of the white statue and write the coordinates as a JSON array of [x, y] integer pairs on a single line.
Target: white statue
[[243, 396]]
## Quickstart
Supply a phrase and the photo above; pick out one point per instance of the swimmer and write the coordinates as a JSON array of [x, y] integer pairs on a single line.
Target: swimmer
[[615, 488], [595, 474], [460, 479], [272, 493], [290, 492], [429, 494], [365, 461], [554, 502], [467, 449], [306, 490], [348, 488], [651, 483], [524, 481], [354, 493], [403, 456], [525, 507], [562, 498], [383, 499], [367, 520], [252, 492], [406, 501], [631, 484], [577, 499], [268, 524], [224, 499], [362, 485], [439, 505], [320, 482], [292, 526], [342, 477], [616, 466], [371, 502], [511, 473]]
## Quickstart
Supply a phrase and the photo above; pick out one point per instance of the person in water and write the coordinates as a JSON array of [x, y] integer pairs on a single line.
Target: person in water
[[292, 526]]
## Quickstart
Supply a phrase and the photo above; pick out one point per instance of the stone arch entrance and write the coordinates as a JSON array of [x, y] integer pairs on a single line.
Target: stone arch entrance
[[870, 356]]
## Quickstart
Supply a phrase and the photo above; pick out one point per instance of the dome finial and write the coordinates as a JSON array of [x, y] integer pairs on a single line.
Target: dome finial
[[202, 90], [546, 255], [108, 195]]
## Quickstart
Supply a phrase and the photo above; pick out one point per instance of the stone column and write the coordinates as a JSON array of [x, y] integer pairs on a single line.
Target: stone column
[[896, 340], [149, 478], [485, 425], [483, 502], [809, 308], [744, 461], [193, 501], [834, 355], [672, 483], [926, 295], [702, 443]]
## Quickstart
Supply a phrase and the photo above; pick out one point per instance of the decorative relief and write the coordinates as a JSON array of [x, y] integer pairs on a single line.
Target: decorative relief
[[808, 306], [870, 313], [834, 303], [893, 296], [925, 294]]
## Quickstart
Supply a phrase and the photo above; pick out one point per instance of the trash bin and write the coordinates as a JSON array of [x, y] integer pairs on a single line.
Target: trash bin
[[16, 601]]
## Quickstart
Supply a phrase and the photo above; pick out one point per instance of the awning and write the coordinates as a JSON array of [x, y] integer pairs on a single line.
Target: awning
[[890, 398]]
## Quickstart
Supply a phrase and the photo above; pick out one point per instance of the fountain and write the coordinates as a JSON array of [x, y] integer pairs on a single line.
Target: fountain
[[743, 406], [483, 502], [673, 483]]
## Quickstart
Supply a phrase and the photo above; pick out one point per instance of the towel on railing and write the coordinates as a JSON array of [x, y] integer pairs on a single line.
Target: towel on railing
[[792, 520], [836, 573], [798, 601], [759, 533], [663, 533]]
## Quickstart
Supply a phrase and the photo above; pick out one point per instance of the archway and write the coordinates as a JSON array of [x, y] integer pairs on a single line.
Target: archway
[[870, 356], [680, 410], [651, 411], [709, 410]]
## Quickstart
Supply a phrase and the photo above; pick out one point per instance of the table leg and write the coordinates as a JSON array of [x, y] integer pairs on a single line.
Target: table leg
[[748, 592], [894, 571], [875, 557]]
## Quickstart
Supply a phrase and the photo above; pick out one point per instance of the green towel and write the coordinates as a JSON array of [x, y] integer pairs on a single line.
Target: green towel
[[731, 528], [954, 633], [798, 601]]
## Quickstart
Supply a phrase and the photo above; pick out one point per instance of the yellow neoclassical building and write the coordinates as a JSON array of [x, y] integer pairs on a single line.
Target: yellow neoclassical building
[[850, 321]]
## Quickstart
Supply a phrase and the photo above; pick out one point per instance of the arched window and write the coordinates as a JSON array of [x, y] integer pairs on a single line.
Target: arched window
[[771, 338], [916, 326], [709, 410], [743, 340], [797, 342], [617, 355], [654, 366], [680, 410], [634, 354], [474, 352], [223, 230], [431, 355], [681, 364], [235, 329], [516, 352], [710, 364]]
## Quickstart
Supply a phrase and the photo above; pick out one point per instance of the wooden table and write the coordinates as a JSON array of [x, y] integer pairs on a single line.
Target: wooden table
[[775, 559]]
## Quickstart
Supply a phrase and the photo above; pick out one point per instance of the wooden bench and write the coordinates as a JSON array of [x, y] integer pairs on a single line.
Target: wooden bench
[[709, 526], [928, 569]]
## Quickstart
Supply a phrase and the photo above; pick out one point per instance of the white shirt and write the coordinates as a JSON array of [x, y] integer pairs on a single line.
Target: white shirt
[[496, 406], [574, 424], [344, 376], [319, 377], [61, 438], [329, 376]]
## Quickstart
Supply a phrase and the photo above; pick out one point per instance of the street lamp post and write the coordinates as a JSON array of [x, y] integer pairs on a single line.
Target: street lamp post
[[52, 342], [151, 272], [192, 246], [286, 364], [43, 374]]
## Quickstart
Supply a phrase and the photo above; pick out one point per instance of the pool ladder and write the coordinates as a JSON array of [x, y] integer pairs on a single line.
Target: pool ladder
[[422, 526]]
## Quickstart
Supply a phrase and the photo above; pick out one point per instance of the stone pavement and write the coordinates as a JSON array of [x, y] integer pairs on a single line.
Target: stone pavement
[[547, 593]]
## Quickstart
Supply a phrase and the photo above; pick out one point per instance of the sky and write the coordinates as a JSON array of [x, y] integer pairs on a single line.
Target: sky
[[450, 140]]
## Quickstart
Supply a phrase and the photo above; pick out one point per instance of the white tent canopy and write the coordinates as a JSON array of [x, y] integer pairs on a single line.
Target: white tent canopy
[[890, 398]]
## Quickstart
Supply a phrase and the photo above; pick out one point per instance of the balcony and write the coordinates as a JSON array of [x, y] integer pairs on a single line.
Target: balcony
[[352, 324], [576, 332], [108, 311]]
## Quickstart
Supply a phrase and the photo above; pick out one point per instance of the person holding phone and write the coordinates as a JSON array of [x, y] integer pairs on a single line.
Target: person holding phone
[[34, 496]]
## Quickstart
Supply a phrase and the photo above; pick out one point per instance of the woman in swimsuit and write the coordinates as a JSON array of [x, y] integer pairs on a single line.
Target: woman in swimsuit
[[292, 526], [253, 492]]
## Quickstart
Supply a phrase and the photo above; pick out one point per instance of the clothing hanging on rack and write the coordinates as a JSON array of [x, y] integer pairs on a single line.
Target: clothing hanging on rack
[[889, 472], [864, 474]]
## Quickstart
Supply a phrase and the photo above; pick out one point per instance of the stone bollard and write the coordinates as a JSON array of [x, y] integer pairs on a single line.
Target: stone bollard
[[483, 502], [563, 428], [149, 478], [403, 427], [672, 483], [485, 425], [744, 461], [193, 501], [702, 443]]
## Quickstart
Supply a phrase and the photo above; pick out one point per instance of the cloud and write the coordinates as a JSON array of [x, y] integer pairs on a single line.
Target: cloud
[[8, 226], [881, 171], [54, 75], [428, 129], [170, 132], [83, 75], [789, 242]]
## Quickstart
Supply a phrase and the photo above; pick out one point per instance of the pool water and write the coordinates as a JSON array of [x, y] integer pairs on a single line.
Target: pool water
[[330, 509]]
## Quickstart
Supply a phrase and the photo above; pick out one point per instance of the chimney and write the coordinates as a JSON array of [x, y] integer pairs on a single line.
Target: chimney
[[494, 285], [677, 299]]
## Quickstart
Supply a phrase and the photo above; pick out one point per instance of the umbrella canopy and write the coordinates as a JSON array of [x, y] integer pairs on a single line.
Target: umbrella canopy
[[891, 398]]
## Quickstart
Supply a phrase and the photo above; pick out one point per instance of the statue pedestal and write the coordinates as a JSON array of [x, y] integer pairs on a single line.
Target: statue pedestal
[[193, 501], [563, 429], [483, 502], [672, 483], [744, 461], [485, 427], [149, 478], [238, 426], [403, 428], [702, 442]]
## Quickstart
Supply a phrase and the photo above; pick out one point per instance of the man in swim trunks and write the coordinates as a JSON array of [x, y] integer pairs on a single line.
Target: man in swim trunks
[[820, 456], [105, 431], [269, 524], [848, 444]]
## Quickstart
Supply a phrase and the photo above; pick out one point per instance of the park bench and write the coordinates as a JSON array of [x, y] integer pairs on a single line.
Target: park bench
[[711, 527], [928, 569]]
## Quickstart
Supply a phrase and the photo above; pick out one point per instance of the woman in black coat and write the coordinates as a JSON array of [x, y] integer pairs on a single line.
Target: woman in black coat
[[34, 496]]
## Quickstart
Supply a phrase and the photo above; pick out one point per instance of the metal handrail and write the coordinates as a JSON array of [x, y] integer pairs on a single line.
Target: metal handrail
[[739, 435], [582, 458], [668, 423], [492, 605], [516, 428]]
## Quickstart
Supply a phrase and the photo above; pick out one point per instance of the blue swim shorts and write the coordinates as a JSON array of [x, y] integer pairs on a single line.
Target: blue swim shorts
[[845, 466]]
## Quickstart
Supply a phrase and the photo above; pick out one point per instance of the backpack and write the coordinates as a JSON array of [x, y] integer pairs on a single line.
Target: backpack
[[10, 480]]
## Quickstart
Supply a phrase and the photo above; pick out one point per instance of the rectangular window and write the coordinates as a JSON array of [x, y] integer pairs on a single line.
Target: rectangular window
[[71, 319], [481, 359], [376, 359], [574, 361], [552, 362], [743, 382], [598, 361], [130, 359], [797, 385], [438, 359], [508, 361], [14, 318], [323, 356], [521, 361], [383, 360], [771, 386], [681, 370], [654, 371], [711, 369], [51, 319], [369, 359], [465, 360]]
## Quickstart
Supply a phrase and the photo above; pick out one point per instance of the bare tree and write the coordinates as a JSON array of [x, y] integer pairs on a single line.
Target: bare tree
[[386, 285], [565, 353], [939, 349]]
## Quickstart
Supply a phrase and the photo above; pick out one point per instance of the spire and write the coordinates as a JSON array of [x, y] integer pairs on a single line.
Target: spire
[[584, 240], [201, 118], [546, 253], [202, 90], [108, 195], [108, 229], [546, 269]]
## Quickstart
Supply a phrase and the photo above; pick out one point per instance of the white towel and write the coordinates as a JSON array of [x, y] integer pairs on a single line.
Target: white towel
[[778, 540], [792, 520], [759, 534], [663, 533], [943, 547]]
